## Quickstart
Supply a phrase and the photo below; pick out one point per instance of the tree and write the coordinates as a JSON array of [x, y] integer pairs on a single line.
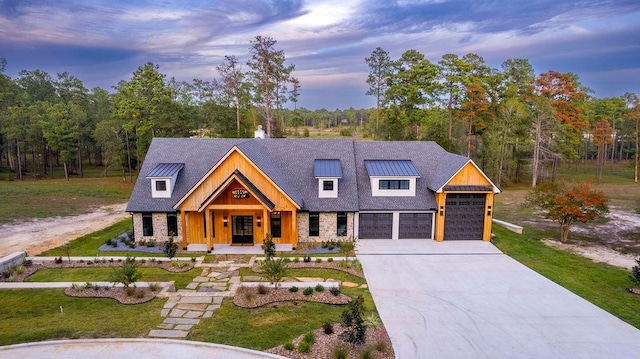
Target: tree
[[635, 273], [568, 204], [633, 114], [274, 270], [232, 79], [170, 247], [602, 136], [543, 127], [352, 320], [380, 67], [268, 75], [127, 274]]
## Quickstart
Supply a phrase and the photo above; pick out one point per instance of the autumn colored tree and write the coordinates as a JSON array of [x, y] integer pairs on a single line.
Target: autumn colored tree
[[602, 137], [568, 204], [474, 111]]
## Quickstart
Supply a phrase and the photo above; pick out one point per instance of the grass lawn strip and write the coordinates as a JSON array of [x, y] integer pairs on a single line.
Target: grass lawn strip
[[601, 284]]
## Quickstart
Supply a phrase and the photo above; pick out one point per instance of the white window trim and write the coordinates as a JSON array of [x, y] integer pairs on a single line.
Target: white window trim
[[377, 192], [161, 194], [327, 194]]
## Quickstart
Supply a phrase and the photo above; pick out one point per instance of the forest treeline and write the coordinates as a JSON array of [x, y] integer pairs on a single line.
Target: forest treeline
[[515, 125]]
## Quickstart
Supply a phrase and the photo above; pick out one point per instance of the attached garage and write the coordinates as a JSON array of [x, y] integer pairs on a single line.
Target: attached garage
[[464, 216], [415, 226], [375, 226]]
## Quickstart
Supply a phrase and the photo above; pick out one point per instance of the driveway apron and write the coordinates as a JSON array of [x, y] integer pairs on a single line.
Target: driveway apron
[[468, 300]]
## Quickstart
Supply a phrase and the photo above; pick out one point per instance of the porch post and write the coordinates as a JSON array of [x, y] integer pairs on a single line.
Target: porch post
[[183, 224], [208, 226], [294, 228]]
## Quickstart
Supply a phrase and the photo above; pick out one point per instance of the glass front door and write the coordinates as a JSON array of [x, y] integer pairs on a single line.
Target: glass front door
[[242, 230]]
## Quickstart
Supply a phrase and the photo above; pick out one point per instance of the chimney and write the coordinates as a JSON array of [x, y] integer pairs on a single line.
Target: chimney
[[259, 133]]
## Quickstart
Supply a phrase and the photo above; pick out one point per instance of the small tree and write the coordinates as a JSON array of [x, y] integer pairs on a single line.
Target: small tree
[[353, 322], [170, 247], [635, 273], [568, 204], [127, 274], [269, 246], [274, 270], [347, 246]]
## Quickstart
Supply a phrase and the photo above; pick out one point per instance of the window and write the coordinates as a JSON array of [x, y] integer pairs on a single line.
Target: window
[[172, 224], [314, 224], [327, 185], [394, 184], [276, 224], [161, 185], [147, 224], [342, 224]]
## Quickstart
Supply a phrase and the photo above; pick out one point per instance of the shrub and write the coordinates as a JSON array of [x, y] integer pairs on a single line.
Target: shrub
[[139, 293], [193, 259], [288, 345], [6, 273], [366, 353], [274, 270], [330, 259], [262, 289], [114, 243], [151, 243], [143, 261], [347, 246], [268, 246], [296, 259], [306, 259], [304, 347], [318, 260], [293, 289], [352, 320], [27, 263], [635, 273], [126, 274], [154, 287], [334, 290], [307, 291], [339, 352], [110, 260], [372, 320], [170, 247], [130, 291], [76, 287], [380, 346], [11, 278], [319, 288], [309, 338], [327, 328], [58, 260]]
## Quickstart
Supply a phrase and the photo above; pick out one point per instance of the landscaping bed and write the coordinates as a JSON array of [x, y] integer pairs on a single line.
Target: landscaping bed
[[123, 295], [172, 266], [377, 345], [347, 267], [254, 297]]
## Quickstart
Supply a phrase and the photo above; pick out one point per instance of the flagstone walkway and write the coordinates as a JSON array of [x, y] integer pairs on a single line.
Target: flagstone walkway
[[186, 307]]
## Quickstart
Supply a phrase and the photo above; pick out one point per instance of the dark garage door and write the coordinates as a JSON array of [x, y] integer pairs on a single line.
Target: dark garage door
[[464, 216], [415, 225], [375, 226]]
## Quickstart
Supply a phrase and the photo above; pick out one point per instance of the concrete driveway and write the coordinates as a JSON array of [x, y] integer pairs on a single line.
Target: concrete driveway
[[468, 300]]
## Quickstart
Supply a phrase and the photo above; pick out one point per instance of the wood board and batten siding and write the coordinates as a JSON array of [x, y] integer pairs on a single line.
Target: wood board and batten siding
[[225, 205], [469, 175]]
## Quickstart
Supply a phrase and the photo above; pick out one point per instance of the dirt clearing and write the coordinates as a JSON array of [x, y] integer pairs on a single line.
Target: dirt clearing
[[39, 235]]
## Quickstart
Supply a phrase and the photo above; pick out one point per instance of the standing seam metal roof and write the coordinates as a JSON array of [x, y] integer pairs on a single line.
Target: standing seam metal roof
[[165, 170], [391, 168], [327, 168]]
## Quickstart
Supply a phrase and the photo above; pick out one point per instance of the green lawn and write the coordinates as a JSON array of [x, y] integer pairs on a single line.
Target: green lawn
[[34, 315], [56, 197], [601, 284], [272, 325], [102, 275]]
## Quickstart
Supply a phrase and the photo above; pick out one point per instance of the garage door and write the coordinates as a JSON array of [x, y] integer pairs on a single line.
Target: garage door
[[415, 225], [375, 226], [464, 216]]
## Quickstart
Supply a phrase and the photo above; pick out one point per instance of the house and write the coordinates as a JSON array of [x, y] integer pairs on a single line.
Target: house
[[236, 191]]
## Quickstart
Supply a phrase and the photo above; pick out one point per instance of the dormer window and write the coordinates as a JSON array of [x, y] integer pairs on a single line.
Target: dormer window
[[392, 178], [163, 179], [327, 172]]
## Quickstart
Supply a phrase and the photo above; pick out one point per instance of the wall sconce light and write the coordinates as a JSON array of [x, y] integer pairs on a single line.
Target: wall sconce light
[[259, 221], [488, 210], [442, 210], [224, 220]]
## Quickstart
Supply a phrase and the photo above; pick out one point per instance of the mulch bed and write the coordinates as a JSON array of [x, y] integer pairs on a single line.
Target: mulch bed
[[27, 271], [322, 265], [248, 297], [377, 342], [117, 293]]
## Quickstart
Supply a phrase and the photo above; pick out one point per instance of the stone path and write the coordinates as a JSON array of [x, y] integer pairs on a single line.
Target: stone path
[[186, 307]]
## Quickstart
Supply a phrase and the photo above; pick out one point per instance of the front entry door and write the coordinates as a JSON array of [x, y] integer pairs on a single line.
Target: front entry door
[[242, 230]]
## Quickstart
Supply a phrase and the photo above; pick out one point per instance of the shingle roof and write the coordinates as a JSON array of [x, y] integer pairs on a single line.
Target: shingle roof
[[404, 168], [291, 165], [327, 168], [165, 170]]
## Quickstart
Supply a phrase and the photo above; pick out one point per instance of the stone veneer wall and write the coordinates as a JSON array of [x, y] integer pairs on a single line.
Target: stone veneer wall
[[159, 228], [328, 227]]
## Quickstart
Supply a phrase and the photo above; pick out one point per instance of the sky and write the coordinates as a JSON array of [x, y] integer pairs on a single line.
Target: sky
[[104, 41]]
